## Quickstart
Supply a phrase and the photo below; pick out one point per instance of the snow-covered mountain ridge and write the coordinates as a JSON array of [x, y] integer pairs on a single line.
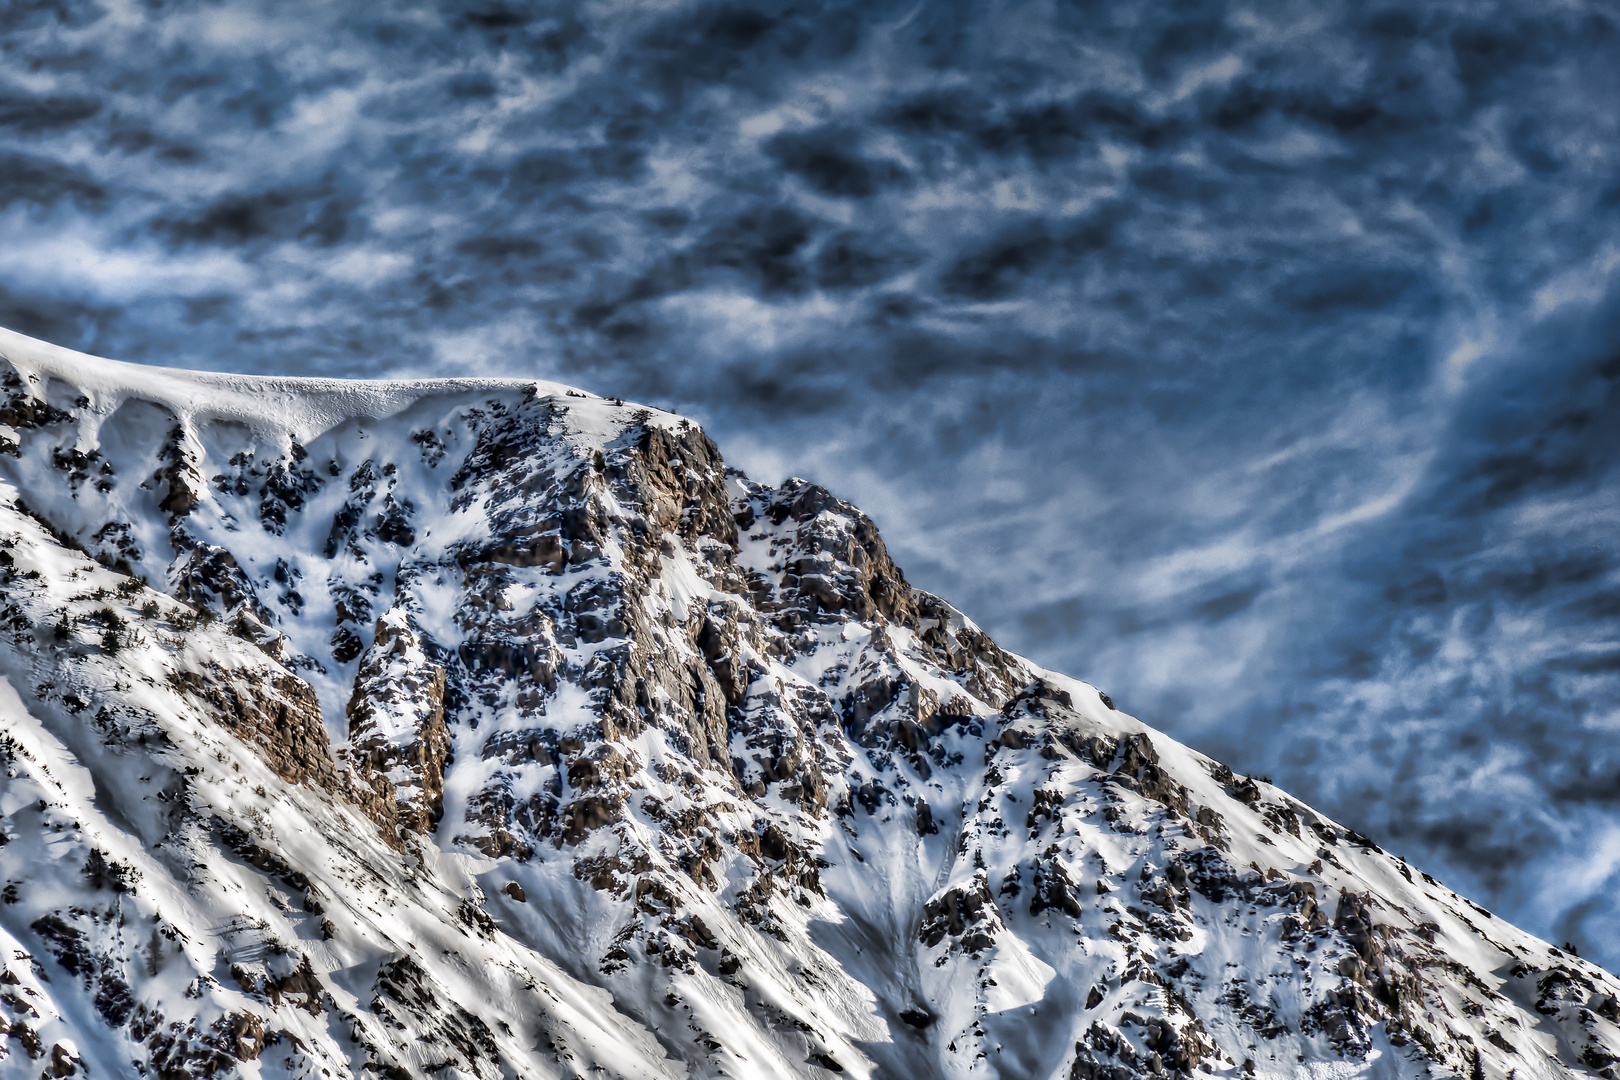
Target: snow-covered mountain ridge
[[496, 729]]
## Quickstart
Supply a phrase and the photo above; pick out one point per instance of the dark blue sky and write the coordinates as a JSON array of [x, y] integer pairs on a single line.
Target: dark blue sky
[[1257, 362]]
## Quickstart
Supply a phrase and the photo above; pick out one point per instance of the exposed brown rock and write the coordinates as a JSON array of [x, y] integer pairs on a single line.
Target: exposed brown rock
[[397, 730], [276, 713]]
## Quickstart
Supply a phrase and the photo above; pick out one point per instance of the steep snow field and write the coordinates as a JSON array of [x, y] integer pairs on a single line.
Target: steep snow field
[[495, 729]]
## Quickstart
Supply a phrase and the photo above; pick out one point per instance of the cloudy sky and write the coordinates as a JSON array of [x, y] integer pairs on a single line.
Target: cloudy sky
[[1258, 362]]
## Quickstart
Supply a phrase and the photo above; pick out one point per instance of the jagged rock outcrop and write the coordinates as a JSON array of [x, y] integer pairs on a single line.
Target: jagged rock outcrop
[[492, 729], [398, 741]]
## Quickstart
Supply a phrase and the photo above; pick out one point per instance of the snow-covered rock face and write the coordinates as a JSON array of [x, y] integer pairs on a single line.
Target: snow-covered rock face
[[496, 730]]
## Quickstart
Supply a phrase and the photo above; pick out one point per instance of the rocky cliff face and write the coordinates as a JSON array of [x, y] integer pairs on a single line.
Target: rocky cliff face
[[498, 730]]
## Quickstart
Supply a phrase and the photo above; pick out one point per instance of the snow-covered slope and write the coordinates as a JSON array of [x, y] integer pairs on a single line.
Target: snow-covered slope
[[495, 729]]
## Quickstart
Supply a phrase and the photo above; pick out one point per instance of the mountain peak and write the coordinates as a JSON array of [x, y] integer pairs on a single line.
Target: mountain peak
[[492, 728]]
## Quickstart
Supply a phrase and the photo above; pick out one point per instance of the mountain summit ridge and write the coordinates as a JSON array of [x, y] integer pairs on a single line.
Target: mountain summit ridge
[[491, 728]]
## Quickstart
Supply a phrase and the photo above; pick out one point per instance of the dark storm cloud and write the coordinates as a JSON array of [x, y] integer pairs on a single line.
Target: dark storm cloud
[[767, 246], [30, 178], [313, 213], [31, 115], [823, 158], [1258, 365], [1006, 263]]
